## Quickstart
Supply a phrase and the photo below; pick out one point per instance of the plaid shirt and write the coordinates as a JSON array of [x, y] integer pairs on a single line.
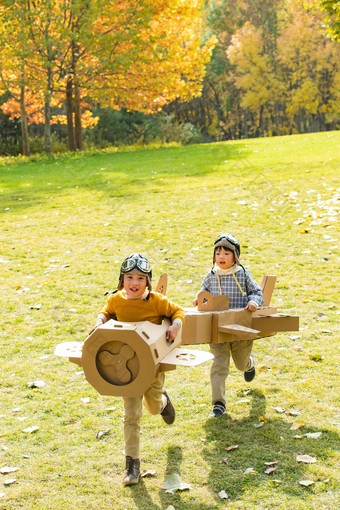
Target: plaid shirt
[[247, 283]]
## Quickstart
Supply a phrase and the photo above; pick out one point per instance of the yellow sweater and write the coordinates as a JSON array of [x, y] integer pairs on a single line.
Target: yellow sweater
[[152, 309]]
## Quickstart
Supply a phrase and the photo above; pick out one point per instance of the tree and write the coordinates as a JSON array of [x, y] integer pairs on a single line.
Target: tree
[[123, 53]]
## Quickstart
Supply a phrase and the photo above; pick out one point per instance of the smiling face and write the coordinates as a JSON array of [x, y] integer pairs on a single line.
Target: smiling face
[[134, 285], [224, 258]]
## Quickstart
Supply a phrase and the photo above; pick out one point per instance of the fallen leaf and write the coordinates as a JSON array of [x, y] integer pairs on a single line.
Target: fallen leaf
[[85, 400], [271, 463], [223, 495], [306, 483], [293, 413], [10, 481], [275, 480], [259, 425], [294, 337], [35, 307], [173, 482], [149, 472], [231, 448], [8, 469], [271, 470], [30, 430], [306, 459], [298, 437], [36, 384], [250, 471], [170, 508], [102, 433], [297, 425], [313, 435], [225, 461], [279, 409]]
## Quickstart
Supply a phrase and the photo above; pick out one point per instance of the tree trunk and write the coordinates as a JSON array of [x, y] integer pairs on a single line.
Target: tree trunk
[[24, 126], [48, 113], [69, 114], [77, 118]]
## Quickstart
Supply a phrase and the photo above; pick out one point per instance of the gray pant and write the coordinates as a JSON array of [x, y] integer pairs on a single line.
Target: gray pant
[[240, 352]]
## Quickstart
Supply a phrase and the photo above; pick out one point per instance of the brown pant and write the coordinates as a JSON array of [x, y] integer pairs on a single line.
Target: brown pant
[[154, 401], [240, 352]]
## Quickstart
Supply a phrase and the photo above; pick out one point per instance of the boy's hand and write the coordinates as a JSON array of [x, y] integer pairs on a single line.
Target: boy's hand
[[251, 307], [171, 332], [98, 323], [195, 301]]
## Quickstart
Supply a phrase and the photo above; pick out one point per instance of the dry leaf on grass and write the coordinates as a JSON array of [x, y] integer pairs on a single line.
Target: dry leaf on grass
[[102, 433], [279, 409], [232, 447], [148, 472], [273, 463], [306, 459], [270, 470], [36, 384], [30, 430], [173, 483], [250, 471], [223, 495], [306, 483], [313, 435], [8, 469], [10, 481], [297, 425], [292, 413]]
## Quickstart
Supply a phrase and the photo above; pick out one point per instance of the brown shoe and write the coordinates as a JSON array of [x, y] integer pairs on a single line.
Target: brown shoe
[[132, 471], [168, 413]]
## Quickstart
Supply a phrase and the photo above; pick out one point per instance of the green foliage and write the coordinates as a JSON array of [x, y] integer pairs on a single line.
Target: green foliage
[[67, 223]]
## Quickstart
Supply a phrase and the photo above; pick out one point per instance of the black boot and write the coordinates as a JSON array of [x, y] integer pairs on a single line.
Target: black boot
[[132, 471]]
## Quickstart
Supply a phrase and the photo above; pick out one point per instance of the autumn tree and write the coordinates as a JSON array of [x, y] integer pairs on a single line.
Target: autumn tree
[[137, 54]]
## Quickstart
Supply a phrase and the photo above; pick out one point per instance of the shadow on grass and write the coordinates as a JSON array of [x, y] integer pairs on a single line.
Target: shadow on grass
[[143, 499], [274, 442]]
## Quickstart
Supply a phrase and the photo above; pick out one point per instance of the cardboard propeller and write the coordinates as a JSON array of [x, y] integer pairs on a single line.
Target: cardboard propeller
[[213, 322]]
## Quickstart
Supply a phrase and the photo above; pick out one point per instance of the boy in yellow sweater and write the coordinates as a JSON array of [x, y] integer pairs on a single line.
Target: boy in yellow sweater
[[134, 301]]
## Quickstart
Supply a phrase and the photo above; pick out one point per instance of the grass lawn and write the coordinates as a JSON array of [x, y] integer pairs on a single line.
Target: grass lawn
[[68, 222]]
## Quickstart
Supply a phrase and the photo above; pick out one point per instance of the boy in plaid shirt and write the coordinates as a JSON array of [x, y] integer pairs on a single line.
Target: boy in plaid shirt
[[229, 277]]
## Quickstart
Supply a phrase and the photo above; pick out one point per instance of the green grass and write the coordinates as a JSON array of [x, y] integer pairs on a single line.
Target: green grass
[[66, 225]]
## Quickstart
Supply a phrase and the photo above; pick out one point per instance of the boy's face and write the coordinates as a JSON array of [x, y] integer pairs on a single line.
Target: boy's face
[[224, 258], [134, 285]]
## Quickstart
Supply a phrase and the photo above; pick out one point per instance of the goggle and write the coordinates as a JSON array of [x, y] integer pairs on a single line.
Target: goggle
[[229, 237], [141, 263]]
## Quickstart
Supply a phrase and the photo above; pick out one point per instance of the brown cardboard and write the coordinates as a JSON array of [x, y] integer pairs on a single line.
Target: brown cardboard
[[276, 322], [234, 325], [267, 286], [197, 327], [123, 358], [208, 303], [162, 284]]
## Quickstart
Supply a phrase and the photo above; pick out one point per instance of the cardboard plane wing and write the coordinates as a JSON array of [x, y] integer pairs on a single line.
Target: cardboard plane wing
[[213, 322], [124, 358]]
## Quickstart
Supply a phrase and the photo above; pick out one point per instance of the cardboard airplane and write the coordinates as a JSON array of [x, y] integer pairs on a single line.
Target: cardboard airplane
[[124, 358]]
